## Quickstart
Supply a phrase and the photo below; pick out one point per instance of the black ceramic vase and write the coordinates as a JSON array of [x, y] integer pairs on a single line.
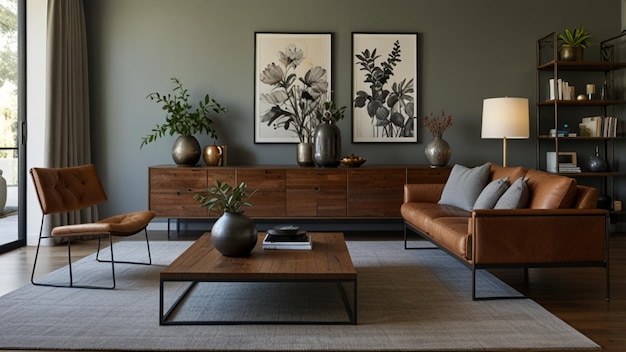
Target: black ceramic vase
[[234, 234], [327, 145], [596, 163]]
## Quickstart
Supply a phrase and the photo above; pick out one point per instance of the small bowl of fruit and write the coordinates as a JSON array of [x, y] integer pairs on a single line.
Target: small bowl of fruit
[[352, 161]]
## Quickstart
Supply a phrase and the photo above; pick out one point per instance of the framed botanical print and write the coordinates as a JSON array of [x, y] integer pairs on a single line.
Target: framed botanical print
[[292, 78], [384, 87]]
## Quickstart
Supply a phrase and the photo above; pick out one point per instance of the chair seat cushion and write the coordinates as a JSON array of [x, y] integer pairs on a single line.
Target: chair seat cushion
[[118, 225]]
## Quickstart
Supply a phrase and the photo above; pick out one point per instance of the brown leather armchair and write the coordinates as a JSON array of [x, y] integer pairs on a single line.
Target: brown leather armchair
[[63, 190]]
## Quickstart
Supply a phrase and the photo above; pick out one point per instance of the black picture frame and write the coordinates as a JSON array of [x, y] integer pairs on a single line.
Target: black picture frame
[[384, 87]]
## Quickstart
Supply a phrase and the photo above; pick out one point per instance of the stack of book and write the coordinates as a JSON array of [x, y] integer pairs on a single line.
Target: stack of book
[[287, 237], [598, 126]]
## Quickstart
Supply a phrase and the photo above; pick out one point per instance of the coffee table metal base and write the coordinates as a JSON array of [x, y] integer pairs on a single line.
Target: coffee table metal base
[[165, 316]]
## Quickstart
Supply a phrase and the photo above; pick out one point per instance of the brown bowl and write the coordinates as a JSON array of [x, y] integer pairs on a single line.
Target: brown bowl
[[353, 163]]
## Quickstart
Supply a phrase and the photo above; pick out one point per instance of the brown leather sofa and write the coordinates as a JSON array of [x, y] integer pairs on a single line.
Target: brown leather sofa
[[561, 226]]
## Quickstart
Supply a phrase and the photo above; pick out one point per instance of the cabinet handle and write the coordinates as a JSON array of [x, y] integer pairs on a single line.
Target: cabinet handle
[[316, 188]]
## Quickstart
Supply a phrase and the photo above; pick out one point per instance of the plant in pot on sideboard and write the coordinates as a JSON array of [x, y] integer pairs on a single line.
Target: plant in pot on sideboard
[[181, 119], [438, 151], [327, 136], [233, 234], [573, 43]]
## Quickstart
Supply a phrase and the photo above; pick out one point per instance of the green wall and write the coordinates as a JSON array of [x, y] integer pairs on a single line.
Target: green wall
[[468, 51]]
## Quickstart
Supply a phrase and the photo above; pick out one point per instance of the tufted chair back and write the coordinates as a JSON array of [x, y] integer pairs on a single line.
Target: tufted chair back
[[62, 190]]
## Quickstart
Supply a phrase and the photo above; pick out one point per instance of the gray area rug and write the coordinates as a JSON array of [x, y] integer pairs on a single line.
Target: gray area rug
[[417, 300]]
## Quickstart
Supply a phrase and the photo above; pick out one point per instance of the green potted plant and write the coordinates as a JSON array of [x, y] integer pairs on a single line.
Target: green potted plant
[[573, 43], [185, 121], [233, 234]]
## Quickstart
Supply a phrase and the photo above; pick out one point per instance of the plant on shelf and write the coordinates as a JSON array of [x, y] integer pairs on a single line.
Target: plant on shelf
[[180, 118], [573, 42], [437, 124], [183, 120], [329, 113], [578, 37], [438, 151], [233, 234]]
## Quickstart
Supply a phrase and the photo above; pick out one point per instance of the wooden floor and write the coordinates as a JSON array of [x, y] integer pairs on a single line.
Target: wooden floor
[[576, 295]]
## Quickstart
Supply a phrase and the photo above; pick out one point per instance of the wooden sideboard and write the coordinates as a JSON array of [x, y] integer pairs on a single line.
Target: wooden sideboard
[[291, 191]]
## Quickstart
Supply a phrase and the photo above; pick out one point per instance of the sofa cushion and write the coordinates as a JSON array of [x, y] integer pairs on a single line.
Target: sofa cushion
[[516, 196], [464, 186], [420, 214], [451, 233], [550, 191], [512, 172], [491, 193]]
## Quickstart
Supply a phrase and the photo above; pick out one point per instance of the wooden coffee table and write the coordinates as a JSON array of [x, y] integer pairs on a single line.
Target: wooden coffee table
[[328, 261]]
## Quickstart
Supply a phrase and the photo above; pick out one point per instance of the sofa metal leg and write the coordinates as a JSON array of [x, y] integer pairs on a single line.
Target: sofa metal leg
[[406, 239]]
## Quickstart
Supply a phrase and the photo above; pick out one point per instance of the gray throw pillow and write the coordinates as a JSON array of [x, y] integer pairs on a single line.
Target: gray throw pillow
[[516, 196], [464, 186], [491, 193]]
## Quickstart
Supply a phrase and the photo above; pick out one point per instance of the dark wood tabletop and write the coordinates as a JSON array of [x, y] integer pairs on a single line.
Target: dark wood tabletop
[[328, 260]]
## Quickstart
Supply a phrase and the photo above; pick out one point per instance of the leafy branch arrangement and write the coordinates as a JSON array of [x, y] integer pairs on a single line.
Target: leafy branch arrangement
[[391, 111], [181, 119], [224, 197], [329, 113]]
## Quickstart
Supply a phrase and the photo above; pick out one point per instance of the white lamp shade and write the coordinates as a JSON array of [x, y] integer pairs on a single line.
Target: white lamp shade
[[505, 118]]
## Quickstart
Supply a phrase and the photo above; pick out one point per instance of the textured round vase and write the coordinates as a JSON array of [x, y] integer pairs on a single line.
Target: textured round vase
[[597, 164], [305, 154], [437, 152], [186, 151], [234, 235], [327, 145]]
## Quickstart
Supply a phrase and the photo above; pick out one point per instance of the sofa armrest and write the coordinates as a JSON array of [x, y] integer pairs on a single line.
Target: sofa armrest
[[536, 236], [423, 192]]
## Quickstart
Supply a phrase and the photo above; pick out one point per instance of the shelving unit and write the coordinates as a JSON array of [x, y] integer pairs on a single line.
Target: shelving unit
[[608, 72]]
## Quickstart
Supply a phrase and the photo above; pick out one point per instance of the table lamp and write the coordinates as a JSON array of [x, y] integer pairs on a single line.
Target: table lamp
[[505, 118]]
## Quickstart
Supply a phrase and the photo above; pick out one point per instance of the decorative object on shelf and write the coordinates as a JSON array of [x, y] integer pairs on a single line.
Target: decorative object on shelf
[[581, 97], [233, 234], [591, 90], [505, 118], [384, 94], [596, 163], [438, 151], [181, 120], [305, 154], [352, 161], [604, 95], [604, 202], [573, 44], [186, 150], [214, 155], [290, 90], [327, 136]]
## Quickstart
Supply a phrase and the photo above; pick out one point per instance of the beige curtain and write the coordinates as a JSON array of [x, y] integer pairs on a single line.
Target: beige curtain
[[67, 113]]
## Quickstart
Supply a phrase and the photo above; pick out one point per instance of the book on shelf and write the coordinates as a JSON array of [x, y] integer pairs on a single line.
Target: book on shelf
[[299, 244], [598, 126]]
